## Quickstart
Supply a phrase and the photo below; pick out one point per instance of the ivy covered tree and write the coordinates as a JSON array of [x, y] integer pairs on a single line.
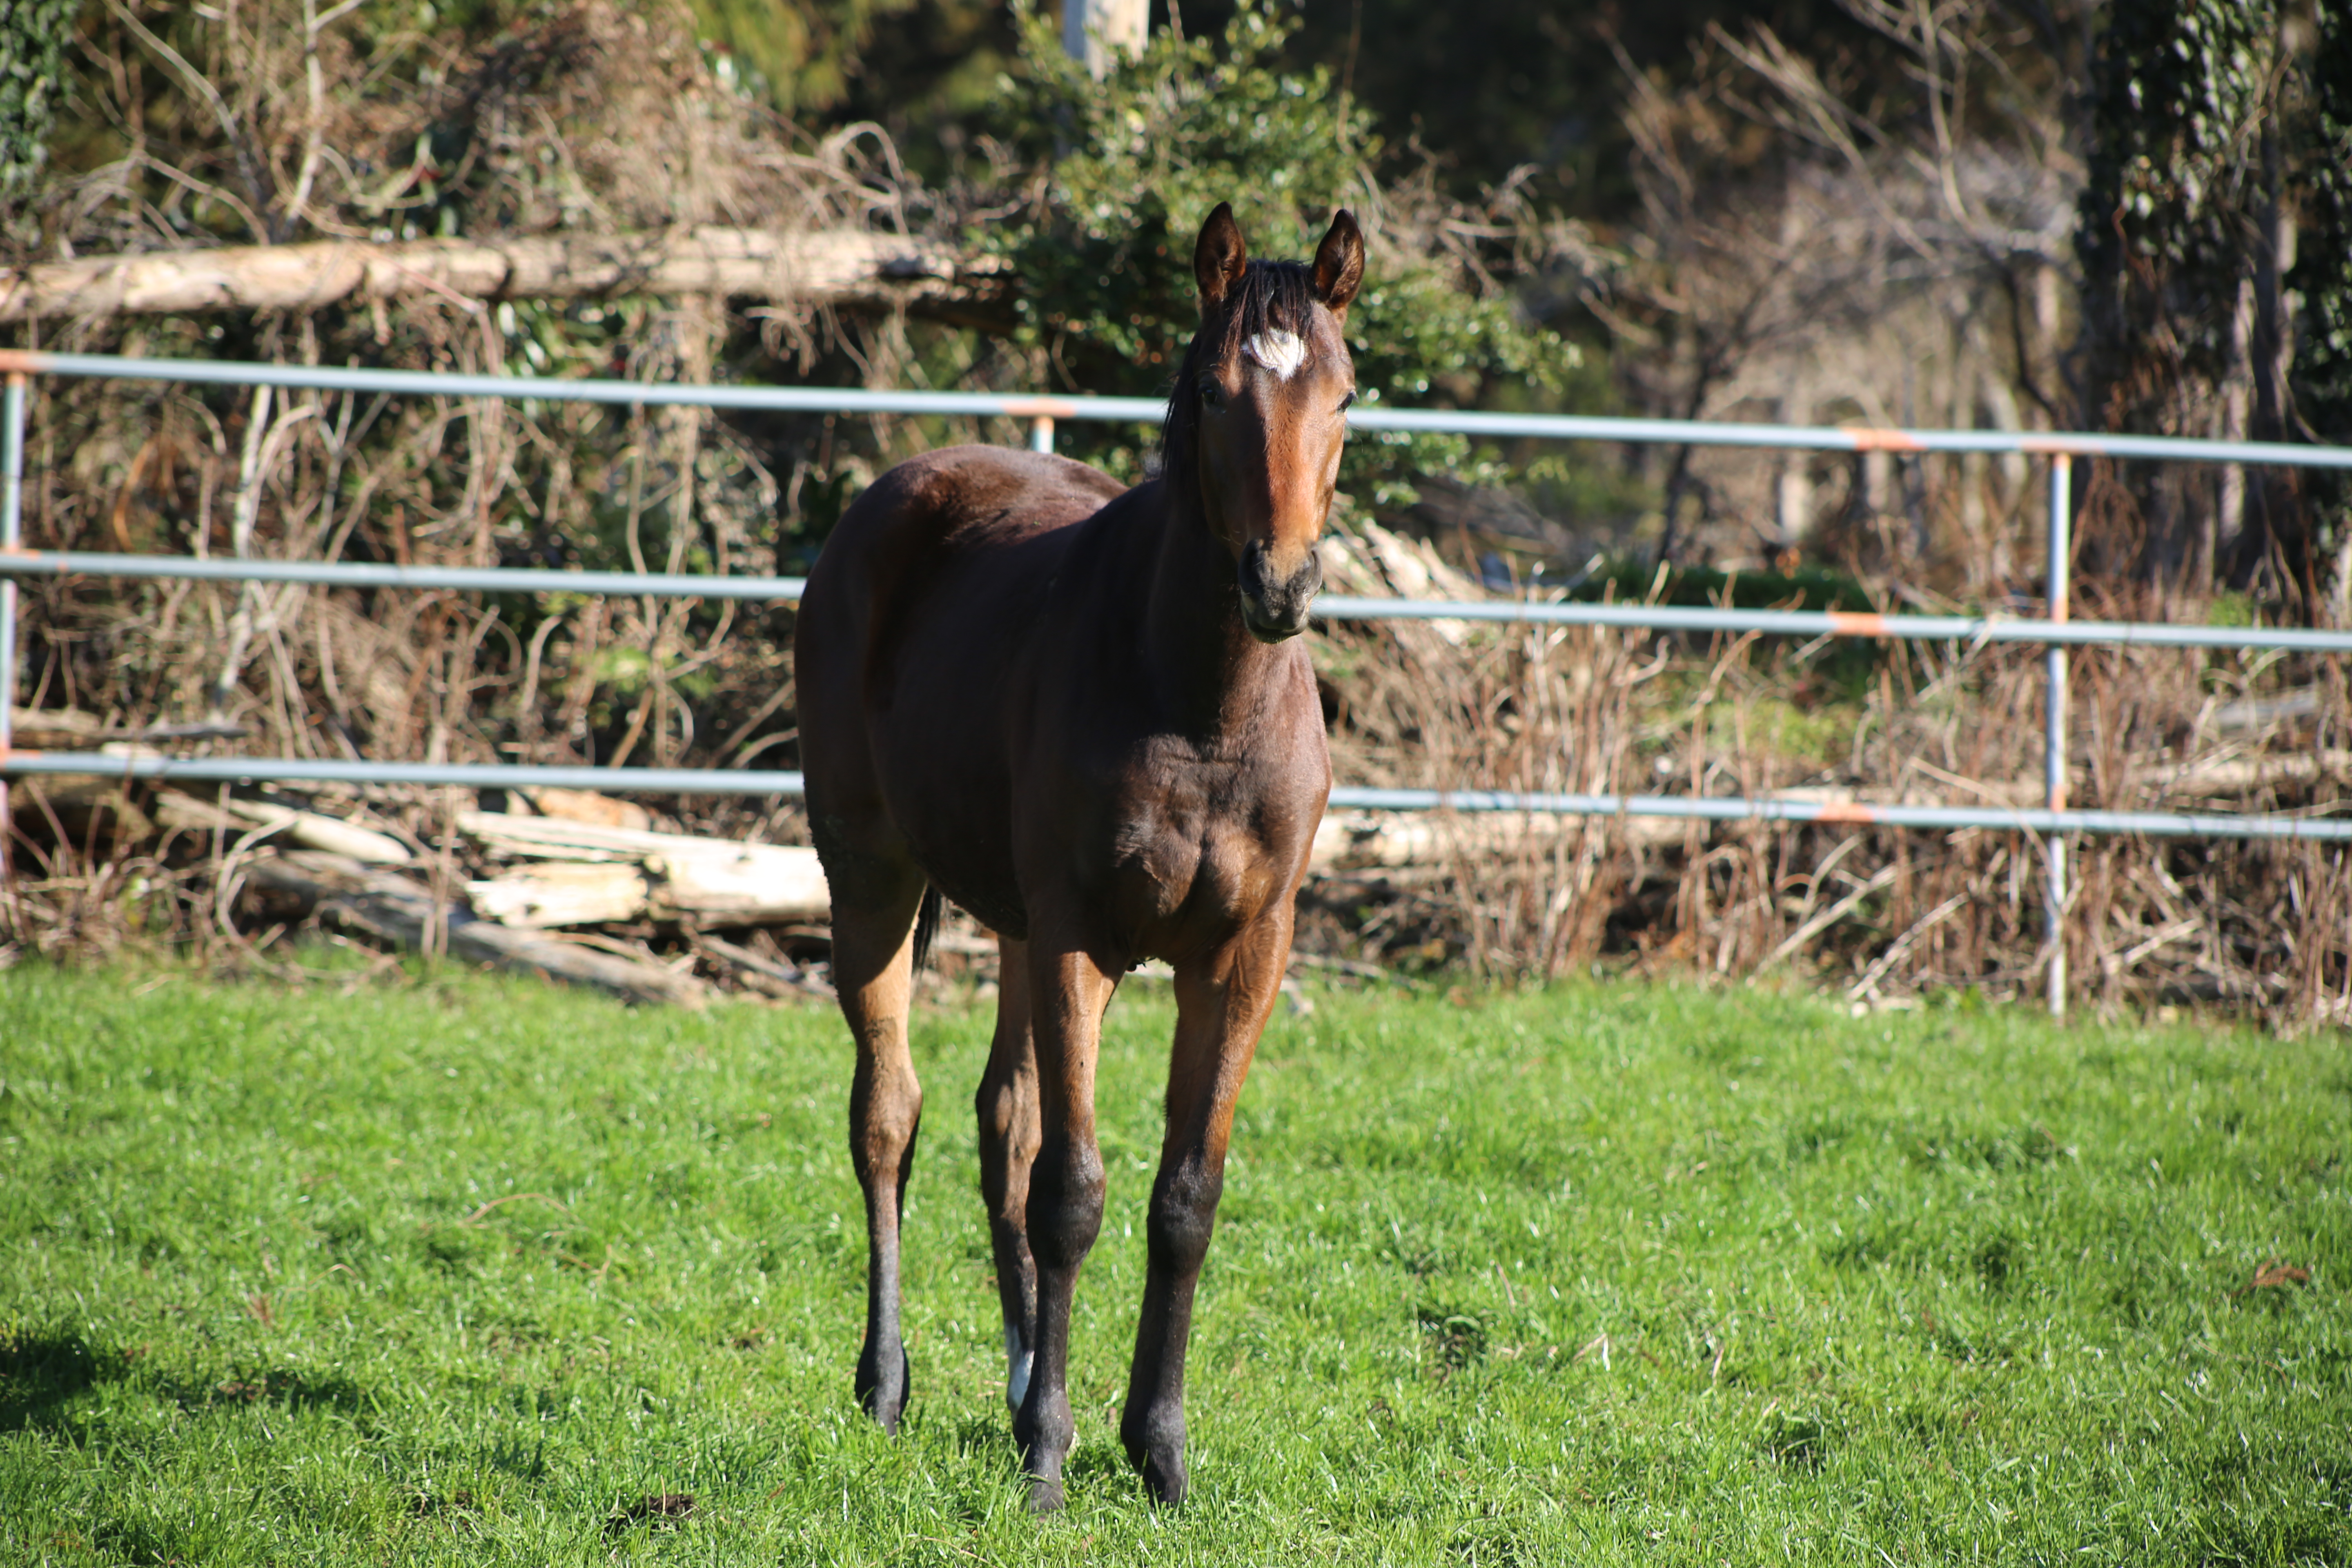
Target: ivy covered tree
[[33, 39], [2201, 128], [1102, 244], [2322, 362]]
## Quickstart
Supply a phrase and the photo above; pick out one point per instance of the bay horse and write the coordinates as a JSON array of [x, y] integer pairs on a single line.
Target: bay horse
[[1077, 711]]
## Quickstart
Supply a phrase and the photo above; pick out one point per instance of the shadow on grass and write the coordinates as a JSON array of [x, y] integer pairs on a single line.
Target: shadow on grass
[[281, 1387], [41, 1376], [137, 1540]]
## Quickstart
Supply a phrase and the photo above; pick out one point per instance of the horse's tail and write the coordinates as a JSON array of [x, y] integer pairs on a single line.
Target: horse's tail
[[927, 925]]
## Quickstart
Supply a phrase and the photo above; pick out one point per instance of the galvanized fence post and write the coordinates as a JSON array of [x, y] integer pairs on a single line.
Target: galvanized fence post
[[1041, 433], [11, 528], [2053, 749]]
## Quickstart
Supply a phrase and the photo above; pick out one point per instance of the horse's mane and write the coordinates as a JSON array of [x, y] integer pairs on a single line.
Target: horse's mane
[[1271, 295]]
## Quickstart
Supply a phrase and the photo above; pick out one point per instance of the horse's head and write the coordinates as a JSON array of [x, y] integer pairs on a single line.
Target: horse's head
[[1269, 381]]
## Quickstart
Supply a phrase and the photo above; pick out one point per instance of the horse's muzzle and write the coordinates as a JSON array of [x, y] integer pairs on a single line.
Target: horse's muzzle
[[1274, 606]]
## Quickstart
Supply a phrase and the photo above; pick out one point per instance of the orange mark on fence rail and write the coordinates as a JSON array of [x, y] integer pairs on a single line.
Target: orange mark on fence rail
[[1857, 623], [1846, 811], [1866, 439]]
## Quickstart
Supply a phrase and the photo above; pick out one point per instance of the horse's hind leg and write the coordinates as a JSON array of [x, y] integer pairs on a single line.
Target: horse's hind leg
[[874, 903], [1007, 1106]]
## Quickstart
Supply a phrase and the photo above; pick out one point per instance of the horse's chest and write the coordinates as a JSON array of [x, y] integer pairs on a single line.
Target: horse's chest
[[1185, 872]]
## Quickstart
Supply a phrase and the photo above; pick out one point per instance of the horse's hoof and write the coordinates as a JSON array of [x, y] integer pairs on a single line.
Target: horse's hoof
[[1156, 1449], [1165, 1480], [885, 1399], [1045, 1495]]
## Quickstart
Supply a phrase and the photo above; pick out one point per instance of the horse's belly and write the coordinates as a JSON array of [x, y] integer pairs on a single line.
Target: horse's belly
[[981, 884], [953, 806]]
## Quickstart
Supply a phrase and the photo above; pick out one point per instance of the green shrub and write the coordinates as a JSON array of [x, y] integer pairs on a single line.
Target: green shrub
[[1130, 166]]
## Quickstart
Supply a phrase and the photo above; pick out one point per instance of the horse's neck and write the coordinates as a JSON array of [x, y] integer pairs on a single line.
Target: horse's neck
[[1213, 674]]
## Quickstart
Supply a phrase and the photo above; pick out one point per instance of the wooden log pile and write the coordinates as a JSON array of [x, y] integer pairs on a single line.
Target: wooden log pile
[[573, 885]]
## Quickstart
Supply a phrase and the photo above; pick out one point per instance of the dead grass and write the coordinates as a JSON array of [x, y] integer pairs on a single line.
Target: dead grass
[[1882, 915]]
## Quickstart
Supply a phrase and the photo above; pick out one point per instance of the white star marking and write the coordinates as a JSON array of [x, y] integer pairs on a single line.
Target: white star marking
[[1280, 352]]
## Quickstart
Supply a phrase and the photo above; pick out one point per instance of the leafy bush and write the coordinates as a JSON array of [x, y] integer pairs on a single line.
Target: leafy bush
[[1130, 165]]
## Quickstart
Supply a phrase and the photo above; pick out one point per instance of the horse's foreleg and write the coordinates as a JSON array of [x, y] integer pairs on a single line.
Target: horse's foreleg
[[1221, 1003], [1007, 1106], [873, 968], [1068, 994]]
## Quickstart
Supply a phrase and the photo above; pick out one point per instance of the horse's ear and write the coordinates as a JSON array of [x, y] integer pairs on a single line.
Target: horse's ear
[[1219, 257], [1340, 263]]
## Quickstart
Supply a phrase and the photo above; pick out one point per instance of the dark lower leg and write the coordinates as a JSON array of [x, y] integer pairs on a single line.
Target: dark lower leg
[[1007, 1108], [1069, 991], [884, 1165], [1066, 1205], [1152, 1428], [1221, 1003], [872, 958], [1016, 1290]]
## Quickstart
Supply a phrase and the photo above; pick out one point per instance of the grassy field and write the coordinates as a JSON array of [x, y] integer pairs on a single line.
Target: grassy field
[[467, 1271]]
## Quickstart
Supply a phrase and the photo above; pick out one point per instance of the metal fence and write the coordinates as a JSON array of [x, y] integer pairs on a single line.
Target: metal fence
[[2051, 822]]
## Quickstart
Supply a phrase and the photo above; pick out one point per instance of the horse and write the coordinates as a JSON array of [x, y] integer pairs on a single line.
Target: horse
[[1081, 713]]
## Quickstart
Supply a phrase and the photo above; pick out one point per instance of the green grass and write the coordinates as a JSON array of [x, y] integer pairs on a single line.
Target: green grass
[[1601, 1274]]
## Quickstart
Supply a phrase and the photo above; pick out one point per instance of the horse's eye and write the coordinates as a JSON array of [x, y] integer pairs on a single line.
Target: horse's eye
[[1213, 395], [1347, 402]]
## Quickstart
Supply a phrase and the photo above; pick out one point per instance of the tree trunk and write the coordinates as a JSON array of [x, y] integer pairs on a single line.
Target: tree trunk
[[1092, 29]]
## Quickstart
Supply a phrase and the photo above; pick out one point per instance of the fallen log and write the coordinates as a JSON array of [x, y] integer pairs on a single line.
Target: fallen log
[[711, 879], [2236, 775], [834, 266], [314, 830], [585, 805], [564, 893], [782, 978], [392, 909], [71, 730]]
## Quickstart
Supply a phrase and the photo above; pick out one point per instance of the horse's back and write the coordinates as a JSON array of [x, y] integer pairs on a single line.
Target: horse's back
[[960, 498], [935, 572]]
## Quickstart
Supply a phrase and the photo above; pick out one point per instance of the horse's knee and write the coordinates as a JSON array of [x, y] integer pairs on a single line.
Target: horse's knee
[[886, 1114], [1183, 1214], [1065, 1203]]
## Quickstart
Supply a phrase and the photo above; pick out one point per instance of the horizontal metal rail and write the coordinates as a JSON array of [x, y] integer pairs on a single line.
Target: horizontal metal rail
[[696, 780], [2030, 819], [372, 575], [470, 775], [1330, 607], [1840, 624], [2056, 633], [585, 389], [1150, 410]]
